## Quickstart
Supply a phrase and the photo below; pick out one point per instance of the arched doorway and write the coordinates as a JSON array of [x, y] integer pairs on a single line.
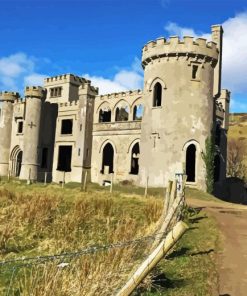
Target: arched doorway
[[107, 159], [216, 168], [135, 153], [191, 163], [16, 161]]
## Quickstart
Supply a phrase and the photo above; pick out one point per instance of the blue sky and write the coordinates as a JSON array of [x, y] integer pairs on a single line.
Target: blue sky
[[102, 39]]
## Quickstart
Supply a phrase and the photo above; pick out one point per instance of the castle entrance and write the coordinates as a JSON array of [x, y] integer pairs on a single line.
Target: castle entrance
[[191, 163], [16, 161], [135, 153]]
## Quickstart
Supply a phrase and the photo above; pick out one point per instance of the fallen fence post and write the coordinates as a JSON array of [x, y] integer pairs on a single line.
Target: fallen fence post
[[173, 236]]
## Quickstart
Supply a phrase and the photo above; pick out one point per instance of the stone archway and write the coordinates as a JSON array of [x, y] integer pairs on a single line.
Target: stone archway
[[191, 163], [16, 161]]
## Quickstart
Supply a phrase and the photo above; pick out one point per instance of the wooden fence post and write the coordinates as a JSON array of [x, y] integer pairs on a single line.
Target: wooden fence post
[[153, 259], [85, 182], [111, 183], [45, 181], [63, 180], [146, 188]]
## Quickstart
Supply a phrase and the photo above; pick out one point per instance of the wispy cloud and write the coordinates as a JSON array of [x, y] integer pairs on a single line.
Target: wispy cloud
[[234, 53], [18, 70], [124, 79]]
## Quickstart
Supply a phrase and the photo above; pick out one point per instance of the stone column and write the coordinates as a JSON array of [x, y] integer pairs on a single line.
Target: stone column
[[34, 97], [6, 112]]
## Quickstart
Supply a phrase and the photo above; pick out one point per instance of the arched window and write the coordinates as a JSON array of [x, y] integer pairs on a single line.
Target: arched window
[[138, 112], [135, 154], [157, 95], [105, 115], [191, 163], [216, 168], [122, 114], [18, 164], [107, 159]]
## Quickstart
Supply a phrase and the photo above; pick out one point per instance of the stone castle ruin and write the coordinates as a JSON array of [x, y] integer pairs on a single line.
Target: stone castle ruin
[[66, 128]]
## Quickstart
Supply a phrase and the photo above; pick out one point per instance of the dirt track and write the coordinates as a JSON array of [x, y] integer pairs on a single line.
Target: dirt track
[[232, 258]]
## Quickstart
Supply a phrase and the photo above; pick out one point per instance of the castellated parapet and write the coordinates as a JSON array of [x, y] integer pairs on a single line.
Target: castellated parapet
[[65, 78], [9, 96], [34, 92], [175, 47]]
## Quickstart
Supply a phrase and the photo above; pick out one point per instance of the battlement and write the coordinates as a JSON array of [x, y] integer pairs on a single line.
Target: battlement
[[9, 96], [65, 78], [67, 106], [188, 46], [34, 91], [120, 94]]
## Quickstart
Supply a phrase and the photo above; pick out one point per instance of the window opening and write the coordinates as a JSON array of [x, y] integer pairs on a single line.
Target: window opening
[[20, 127], [157, 95], [191, 163], [64, 158], [67, 126], [44, 160], [135, 154], [107, 159], [194, 71]]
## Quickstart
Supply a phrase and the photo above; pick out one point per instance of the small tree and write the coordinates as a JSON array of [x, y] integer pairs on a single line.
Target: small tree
[[208, 158], [236, 154]]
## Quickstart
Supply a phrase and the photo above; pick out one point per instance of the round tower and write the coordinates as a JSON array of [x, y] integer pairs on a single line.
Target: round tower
[[33, 100], [179, 105], [6, 113]]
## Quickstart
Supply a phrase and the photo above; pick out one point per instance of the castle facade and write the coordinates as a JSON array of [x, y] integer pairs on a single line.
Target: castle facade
[[64, 129]]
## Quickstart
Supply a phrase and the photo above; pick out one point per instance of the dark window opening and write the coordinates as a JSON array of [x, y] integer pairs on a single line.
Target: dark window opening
[[67, 127], [79, 152], [104, 116], [194, 71], [20, 127], [107, 159], [157, 95], [56, 92], [138, 112], [191, 163], [217, 134], [135, 153], [216, 168], [64, 158], [44, 160], [18, 164], [122, 114]]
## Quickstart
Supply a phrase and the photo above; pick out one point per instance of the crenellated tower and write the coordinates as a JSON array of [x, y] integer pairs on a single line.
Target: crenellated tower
[[34, 97], [6, 112], [179, 108]]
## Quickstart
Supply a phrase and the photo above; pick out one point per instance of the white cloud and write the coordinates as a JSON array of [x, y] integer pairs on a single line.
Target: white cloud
[[18, 70], [123, 80], [34, 79], [234, 68]]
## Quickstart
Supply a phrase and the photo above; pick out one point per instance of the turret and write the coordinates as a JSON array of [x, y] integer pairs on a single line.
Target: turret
[[33, 99], [6, 112], [179, 108], [217, 37]]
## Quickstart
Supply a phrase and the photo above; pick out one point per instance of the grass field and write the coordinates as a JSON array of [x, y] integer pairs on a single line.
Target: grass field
[[238, 128], [41, 220]]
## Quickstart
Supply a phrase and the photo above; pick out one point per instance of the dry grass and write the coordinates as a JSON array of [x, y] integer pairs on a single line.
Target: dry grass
[[43, 222]]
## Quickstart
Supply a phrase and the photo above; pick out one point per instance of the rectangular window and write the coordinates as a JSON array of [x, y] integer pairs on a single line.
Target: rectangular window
[[64, 158], [56, 92], [44, 160], [194, 71], [20, 127], [67, 127]]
